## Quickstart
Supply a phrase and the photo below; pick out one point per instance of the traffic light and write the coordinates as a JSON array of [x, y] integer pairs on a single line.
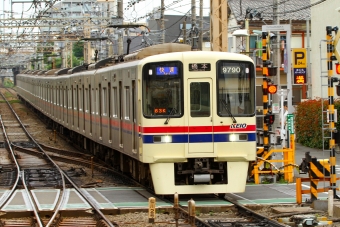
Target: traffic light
[[272, 71], [272, 88], [269, 119], [337, 68]]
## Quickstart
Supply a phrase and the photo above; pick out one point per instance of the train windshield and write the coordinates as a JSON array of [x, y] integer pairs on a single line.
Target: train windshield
[[162, 89], [236, 88]]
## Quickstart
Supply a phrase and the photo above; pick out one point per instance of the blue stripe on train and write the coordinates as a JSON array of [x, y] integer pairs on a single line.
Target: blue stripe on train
[[199, 138]]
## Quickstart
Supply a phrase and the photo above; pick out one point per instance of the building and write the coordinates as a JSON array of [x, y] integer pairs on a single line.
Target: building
[[324, 13], [73, 20]]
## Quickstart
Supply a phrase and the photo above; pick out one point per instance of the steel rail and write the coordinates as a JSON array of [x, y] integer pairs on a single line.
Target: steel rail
[[4, 199], [247, 211], [63, 175], [89, 201], [62, 195], [32, 201], [20, 174]]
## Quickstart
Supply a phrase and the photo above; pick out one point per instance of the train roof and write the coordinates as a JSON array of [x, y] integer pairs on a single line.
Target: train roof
[[174, 51], [157, 49]]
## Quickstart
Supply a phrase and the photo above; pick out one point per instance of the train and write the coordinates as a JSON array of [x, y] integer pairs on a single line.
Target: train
[[176, 120]]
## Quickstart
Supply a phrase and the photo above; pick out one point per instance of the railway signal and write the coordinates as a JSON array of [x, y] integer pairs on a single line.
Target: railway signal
[[337, 68], [272, 89], [269, 119]]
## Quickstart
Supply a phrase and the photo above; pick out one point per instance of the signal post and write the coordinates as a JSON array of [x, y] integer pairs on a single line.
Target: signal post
[[325, 170], [332, 55], [264, 154], [265, 90]]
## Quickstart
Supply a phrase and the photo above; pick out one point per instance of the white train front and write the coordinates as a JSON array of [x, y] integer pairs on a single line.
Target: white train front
[[179, 122]]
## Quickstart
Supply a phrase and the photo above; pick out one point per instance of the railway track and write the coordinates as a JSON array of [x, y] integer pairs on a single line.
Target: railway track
[[45, 171], [26, 147], [246, 215], [21, 171]]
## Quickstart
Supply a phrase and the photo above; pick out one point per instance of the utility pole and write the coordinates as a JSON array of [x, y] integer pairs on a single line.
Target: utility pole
[[200, 40], [162, 22], [184, 31], [109, 42], [87, 45], [276, 47], [309, 67], [193, 25], [219, 25], [247, 37], [276, 59], [193, 13], [120, 36]]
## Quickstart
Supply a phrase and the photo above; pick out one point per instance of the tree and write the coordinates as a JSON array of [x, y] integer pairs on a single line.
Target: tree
[[78, 49]]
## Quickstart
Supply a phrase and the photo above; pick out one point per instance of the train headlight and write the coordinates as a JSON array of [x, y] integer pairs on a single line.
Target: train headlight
[[232, 137], [162, 139]]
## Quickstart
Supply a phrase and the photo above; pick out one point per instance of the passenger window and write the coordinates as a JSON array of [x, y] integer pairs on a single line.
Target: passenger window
[[104, 101], [200, 99], [115, 103], [127, 103]]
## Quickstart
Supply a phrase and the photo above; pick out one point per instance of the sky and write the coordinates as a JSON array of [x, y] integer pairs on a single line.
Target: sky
[[131, 12], [173, 7], [18, 8]]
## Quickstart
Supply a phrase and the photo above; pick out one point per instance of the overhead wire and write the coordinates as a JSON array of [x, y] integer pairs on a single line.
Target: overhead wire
[[268, 7], [40, 10]]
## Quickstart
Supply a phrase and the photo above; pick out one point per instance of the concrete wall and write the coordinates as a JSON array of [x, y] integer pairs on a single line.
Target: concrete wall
[[322, 15]]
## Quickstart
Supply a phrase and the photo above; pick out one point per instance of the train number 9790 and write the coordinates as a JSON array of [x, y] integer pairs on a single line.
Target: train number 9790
[[231, 69]]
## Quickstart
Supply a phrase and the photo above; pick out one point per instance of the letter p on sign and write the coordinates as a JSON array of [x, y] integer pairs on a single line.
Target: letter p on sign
[[299, 58]]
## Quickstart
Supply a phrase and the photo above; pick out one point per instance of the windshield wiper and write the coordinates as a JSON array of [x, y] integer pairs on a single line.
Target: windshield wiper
[[172, 112], [226, 107]]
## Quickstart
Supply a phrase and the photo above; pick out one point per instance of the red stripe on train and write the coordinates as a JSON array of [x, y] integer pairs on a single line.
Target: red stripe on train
[[182, 129]]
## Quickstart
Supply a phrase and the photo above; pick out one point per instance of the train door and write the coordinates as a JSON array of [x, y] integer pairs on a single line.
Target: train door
[[78, 105], [100, 111], [109, 109], [200, 116], [50, 90], [90, 108], [84, 107], [72, 105], [66, 104], [59, 104], [120, 115], [134, 118], [62, 120]]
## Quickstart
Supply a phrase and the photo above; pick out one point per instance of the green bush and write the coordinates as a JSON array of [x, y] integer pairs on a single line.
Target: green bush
[[308, 123], [8, 83]]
